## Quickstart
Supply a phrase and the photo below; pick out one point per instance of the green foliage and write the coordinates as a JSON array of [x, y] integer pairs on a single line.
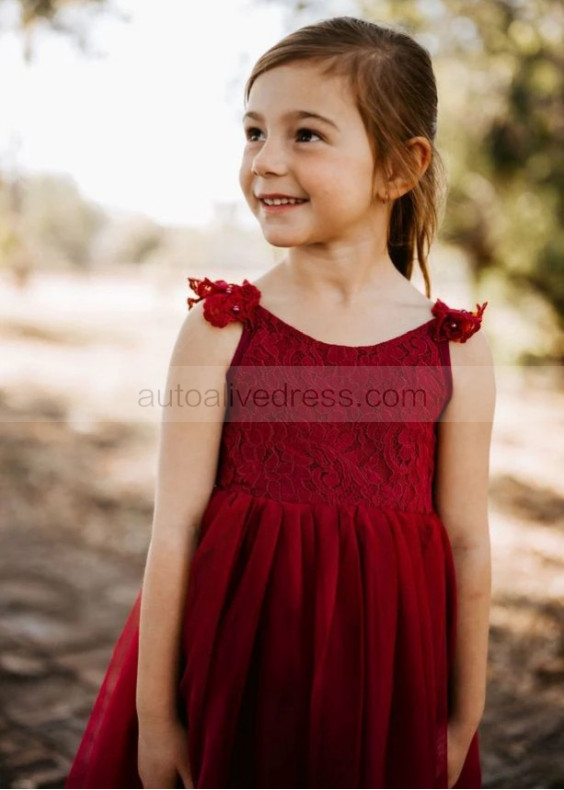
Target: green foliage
[[57, 222], [71, 18]]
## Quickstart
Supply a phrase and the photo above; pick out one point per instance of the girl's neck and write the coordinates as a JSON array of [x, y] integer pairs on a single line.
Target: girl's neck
[[342, 283]]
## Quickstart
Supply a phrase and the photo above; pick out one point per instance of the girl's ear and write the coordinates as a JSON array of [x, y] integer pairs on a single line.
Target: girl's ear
[[383, 183], [421, 153], [411, 168]]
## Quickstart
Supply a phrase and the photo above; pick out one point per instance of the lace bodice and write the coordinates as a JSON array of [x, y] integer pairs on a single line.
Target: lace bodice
[[376, 451]]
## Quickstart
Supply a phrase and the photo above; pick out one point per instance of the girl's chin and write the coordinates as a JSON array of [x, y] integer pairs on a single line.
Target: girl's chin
[[281, 238]]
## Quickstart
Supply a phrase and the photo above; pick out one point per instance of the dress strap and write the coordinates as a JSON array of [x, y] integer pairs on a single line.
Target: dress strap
[[225, 302], [456, 324]]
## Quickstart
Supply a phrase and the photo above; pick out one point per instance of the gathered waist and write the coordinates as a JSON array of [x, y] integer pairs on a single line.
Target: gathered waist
[[364, 505]]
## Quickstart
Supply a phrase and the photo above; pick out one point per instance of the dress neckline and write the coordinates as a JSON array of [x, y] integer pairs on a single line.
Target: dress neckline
[[317, 342]]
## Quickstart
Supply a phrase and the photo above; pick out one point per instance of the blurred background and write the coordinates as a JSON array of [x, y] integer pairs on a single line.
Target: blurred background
[[120, 143]]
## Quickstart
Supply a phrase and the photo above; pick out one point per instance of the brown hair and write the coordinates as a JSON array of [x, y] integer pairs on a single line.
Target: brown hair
[[392, 79]]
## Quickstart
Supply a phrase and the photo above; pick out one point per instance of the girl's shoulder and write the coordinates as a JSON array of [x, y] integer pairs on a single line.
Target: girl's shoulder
[[224, 301]]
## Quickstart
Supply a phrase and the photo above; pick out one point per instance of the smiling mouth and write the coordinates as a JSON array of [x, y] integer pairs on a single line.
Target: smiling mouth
[[282, 202]]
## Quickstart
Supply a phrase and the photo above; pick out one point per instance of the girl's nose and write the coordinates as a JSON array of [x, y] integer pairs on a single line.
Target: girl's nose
[[270, 159]]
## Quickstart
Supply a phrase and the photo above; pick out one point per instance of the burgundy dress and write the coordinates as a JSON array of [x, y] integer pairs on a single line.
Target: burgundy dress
[[319, 624]]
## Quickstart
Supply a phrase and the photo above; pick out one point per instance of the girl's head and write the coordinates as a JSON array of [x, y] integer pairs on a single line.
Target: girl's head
[[376, 90]]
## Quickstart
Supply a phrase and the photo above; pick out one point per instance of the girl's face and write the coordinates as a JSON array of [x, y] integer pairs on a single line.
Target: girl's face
[[289, 152]]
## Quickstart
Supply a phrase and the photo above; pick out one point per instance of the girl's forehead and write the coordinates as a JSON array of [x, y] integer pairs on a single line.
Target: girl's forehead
[[298, 72], [285, 88]]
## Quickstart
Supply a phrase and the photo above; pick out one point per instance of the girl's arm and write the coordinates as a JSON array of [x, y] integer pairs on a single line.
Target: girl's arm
[[461, 495], [188, 454]]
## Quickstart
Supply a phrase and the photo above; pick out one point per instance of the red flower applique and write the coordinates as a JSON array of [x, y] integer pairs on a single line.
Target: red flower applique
[[224, 302], [455, 324]]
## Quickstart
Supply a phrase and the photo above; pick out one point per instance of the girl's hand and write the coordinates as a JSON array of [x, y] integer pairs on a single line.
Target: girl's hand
[[163, 754], [458, 742]]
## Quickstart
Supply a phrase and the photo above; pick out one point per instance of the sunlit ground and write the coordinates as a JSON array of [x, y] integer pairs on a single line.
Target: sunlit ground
[[78, 460]]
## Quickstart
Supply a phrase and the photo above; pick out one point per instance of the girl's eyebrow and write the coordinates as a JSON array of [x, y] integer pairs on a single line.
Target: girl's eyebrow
[[296, 114]]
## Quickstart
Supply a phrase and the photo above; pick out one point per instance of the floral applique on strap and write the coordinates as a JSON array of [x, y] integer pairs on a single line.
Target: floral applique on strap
[[224, 302], [453, 324]]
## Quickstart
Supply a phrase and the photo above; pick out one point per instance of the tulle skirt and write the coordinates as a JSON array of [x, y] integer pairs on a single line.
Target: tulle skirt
[[317, 651]]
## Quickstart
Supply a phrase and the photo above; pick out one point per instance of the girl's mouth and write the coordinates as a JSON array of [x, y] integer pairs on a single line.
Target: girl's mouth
[[277, 207]]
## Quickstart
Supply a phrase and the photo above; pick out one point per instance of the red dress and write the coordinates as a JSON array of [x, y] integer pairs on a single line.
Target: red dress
[[319, 624]]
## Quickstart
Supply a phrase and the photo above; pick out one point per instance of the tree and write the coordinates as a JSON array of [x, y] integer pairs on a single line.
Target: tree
[[71, 18], [68, 17]]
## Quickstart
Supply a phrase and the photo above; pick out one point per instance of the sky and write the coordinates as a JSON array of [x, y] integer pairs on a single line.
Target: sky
[[153, 124]]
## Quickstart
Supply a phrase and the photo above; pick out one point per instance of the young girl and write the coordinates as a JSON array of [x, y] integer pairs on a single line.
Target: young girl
[[314, 611]]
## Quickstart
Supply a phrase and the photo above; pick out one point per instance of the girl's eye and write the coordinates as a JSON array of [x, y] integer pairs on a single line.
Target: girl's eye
[[250, 132], [253, 130], [308, 131]]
